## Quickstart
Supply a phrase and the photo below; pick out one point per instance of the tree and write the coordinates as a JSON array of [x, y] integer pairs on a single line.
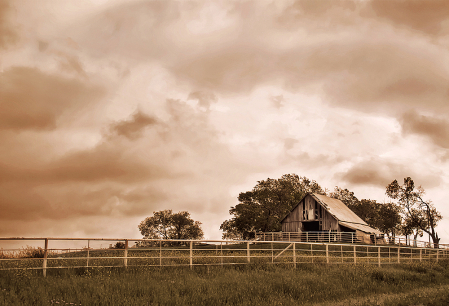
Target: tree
[[388, 219], [167, 225], [263, 208], [418, 214]]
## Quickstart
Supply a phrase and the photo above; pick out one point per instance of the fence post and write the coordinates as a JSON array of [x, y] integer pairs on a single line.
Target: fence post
[[221, 252], [437, 254], [378, 254], [247, 252], [311, 251], [399, 254], [288, 236], [272, 253], [355, 255], [341, 253], [327, 253], [191, 254], [294, 255], [420, 254], [88, 247], [160, 253], [307, 236], [44, 264], [125, 260]]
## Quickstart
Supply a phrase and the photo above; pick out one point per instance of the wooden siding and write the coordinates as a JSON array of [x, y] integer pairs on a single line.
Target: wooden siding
[[309, 210]]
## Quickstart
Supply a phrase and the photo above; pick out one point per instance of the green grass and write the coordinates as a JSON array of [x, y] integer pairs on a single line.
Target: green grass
[[318, 284]]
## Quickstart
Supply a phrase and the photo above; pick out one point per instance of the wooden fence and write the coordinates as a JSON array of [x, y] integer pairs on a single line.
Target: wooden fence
[[150, 253], [342, 237], [322, 236]]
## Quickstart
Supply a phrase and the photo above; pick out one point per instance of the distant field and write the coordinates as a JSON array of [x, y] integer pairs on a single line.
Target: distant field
[[318, 284]]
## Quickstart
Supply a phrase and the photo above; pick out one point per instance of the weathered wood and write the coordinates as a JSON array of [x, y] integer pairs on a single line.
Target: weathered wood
[[125, 260], [355, 255], [191, 254], [378, 255], [88, 249], [221, 252], [294, 255], [44, 264], [283, 251]]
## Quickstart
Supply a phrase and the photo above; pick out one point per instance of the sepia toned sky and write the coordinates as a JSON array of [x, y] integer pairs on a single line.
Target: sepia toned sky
[[111, 110]]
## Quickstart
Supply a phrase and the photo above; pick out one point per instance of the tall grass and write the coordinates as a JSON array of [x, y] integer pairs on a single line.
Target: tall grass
[[240, 285]]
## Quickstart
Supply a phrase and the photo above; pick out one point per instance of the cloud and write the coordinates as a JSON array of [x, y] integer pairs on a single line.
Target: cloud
[[378, 172], [132, 171], [423, 16], [8, 34], [133, 128], [205, 99], [434, 128], [33, 99]]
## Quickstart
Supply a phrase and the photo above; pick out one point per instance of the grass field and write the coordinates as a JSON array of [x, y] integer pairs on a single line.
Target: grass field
[[318, 284]]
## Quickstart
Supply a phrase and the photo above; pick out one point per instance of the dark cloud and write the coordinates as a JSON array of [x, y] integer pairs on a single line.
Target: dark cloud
[[18, 201], [422, 16], [131, 172], [320, 15], [205, 99], [134, 127], [436, 129], [72, 63], [32, 99], [277, 101], [8, 34], [379, 173]]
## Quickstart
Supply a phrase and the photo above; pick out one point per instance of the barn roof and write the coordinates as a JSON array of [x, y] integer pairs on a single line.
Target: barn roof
[[342, 213], [338, 209]]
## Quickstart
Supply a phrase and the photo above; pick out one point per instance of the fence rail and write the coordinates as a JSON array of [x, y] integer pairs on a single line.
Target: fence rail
[[344, 237], [147, 252]]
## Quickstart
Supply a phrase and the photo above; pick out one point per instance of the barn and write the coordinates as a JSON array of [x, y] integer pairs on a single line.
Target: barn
[[317, 213]]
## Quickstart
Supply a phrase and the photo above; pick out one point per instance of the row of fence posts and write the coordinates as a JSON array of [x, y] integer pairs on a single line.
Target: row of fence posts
[[248, 254], [330, 234]]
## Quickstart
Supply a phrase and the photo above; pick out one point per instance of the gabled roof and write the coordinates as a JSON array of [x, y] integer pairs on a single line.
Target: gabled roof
[[342, 213], [338, 209]]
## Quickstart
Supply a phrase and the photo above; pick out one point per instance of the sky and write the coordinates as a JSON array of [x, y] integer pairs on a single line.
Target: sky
[[111, 110]]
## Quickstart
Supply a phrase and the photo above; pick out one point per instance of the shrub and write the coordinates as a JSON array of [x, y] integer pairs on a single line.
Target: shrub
[[31, 252], [119, 245]]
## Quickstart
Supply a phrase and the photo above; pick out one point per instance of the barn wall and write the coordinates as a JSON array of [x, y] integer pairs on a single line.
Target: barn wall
[[329, 222], [309, 210], [292, 223]]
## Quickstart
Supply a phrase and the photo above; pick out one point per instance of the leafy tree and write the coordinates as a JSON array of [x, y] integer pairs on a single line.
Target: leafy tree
[[388, 219], [263, 208], [167, 225], [419, 215]]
